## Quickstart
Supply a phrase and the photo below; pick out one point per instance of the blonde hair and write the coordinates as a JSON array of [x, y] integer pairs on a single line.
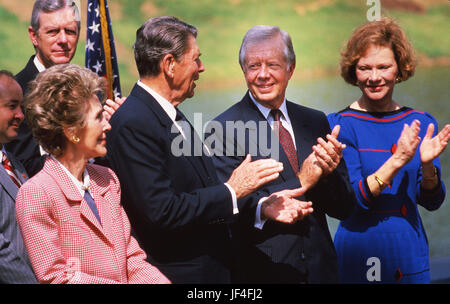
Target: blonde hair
[[59, 98]]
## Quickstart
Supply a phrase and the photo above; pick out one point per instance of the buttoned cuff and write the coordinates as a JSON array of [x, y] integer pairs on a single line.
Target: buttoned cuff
[[234, 199], [259, 223]]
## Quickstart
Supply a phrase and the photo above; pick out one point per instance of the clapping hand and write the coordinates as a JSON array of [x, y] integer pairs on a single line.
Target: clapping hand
[[283, 207], [431, 147], [323, 160], [249, 176]]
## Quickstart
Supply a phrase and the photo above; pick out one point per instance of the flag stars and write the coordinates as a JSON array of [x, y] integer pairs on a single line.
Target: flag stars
[[90, 45], [97, 67], [94, 27]]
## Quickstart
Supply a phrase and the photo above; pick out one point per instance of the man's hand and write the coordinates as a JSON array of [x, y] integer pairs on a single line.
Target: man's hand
[[111, 106], [283, 207], [324, 159], [249, 176]]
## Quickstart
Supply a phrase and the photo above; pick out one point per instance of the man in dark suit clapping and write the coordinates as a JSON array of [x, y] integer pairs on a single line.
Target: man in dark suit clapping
[[272, 252]]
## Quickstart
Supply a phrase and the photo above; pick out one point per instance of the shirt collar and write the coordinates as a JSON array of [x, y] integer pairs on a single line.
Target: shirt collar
[[40, 67], [81, 186], [2, 151], [266, 111], [164, 103]]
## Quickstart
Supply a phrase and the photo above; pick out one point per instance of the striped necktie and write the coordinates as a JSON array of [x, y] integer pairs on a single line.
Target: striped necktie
[[10, 170], [286, 141]]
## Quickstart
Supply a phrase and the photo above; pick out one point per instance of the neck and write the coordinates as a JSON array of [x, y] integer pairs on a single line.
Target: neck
[[74, 163], [161, 86], [386, 104]]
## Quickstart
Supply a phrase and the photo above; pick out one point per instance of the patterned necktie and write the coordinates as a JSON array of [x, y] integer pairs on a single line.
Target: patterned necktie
[[10, 170], [285, 140]]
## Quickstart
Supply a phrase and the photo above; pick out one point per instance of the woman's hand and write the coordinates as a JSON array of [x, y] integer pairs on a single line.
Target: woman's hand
[[432, 147], [407, 143]]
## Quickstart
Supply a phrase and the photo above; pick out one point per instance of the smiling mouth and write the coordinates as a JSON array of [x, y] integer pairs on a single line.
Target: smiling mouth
[[265, 87], [375, 88]]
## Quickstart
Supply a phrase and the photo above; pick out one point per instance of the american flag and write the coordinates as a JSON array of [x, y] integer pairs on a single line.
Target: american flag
[[100, 51]]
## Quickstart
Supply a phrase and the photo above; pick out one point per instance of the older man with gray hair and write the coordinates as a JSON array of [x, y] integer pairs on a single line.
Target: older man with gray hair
[[54, 31], [272, 252]]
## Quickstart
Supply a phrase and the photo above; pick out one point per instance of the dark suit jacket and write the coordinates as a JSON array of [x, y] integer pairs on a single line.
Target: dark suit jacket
[[282, 253], [15, 266], [177, 206], [25, 147]]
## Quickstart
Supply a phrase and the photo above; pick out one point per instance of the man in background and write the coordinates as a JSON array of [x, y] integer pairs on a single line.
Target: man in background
[[15, 266], [54, 31]]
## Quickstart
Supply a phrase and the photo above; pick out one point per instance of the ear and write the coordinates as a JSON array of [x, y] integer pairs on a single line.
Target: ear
[[167, 65], [69, 133], [291, 69], [33, 36]]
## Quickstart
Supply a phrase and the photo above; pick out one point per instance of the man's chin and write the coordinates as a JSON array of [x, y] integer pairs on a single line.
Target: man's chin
[[61, 60]]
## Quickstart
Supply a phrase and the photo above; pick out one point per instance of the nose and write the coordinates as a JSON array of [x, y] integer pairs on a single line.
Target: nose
[[374, 75], [106, 125], [201, 67], [19, 114], [62, 37], [263, 72]]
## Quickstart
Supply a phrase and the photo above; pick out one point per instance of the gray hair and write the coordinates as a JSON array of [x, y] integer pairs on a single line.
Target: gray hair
[[158, 37], [49, 6], [260, 33]]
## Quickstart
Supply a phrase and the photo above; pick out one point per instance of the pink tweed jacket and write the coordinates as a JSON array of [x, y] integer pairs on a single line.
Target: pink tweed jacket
[[65, 241]]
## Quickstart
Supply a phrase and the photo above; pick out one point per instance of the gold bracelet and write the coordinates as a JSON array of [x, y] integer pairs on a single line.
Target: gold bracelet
[[380, 182]]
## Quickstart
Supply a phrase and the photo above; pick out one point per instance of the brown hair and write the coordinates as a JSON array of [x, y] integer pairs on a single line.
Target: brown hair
[[59, 98], [385, 33]]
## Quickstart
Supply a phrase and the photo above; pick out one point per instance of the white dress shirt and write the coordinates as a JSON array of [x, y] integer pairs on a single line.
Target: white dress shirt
[[81, 186]]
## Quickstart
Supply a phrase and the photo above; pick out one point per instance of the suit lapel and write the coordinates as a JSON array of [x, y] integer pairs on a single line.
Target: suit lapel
[[18, 168], [300, 127], [98, 192], [73, 196], [253, 114], [8, 184], [200, 165]]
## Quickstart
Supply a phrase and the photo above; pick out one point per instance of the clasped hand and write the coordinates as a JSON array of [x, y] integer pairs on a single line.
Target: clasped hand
[[280, 206]]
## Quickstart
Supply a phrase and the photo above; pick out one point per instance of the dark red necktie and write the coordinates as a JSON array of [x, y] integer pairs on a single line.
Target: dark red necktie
[[9, 169], [285, 140]]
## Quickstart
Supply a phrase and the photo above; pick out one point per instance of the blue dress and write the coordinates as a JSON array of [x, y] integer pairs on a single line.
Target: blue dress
[[384, 240]]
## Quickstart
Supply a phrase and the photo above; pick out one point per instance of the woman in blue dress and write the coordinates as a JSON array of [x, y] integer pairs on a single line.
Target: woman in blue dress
[[392, 158]]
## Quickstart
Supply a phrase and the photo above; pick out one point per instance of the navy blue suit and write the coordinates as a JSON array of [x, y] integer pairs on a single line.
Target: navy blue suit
[[177, 206], [283, 253]]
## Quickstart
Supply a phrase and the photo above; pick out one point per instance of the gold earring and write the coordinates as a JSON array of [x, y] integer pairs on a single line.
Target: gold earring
[[75, 139]]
